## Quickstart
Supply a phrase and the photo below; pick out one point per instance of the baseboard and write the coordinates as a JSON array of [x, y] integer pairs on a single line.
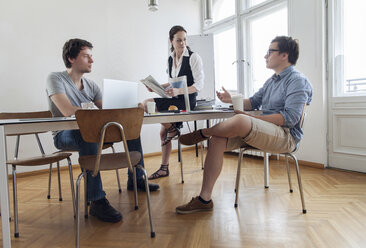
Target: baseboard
[[301, 162], [173, 151], [282, 158]]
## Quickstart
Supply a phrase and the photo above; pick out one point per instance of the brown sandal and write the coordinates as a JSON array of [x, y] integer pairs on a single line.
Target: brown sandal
[[156, 174]]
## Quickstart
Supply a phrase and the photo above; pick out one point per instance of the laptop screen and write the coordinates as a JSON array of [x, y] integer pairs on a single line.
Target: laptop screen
[[119, 94]]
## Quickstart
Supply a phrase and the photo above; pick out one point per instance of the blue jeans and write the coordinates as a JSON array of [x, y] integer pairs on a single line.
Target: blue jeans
[[72, 140]]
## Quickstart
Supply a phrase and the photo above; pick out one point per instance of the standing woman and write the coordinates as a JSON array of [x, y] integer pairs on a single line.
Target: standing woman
[[181, 62]]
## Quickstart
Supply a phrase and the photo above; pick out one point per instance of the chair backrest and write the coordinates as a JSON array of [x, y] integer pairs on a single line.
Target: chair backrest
[[26, 115], [303, 115], [91, 123]]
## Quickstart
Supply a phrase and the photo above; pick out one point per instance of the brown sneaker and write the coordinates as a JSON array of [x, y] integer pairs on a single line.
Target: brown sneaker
[[195, 205], [192, 138]]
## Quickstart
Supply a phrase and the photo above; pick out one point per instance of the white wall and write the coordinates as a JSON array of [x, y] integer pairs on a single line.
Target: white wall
[[130, 42], [306, 23]]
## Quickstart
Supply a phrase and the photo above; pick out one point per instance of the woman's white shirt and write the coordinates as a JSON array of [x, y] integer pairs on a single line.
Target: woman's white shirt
[[196, 66]]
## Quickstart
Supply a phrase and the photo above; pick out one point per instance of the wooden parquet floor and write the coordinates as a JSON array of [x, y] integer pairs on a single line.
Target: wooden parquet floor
[[336, 205]]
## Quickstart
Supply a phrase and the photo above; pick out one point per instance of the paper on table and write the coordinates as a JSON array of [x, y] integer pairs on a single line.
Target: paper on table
[[154, 86]]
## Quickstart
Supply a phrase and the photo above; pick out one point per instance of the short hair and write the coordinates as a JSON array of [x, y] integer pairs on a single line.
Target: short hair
[[288, 45], [72, 49]]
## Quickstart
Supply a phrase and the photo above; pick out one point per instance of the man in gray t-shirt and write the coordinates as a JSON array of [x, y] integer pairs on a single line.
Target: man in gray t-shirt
[[67, 90], [60, 82]]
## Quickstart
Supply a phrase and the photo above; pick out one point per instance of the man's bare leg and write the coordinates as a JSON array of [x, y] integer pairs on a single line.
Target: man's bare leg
[[213, 166], [239, 125]]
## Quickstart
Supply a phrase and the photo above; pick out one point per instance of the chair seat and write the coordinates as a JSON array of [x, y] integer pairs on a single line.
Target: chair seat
[[105, 146], [109, 161], [40, 160]]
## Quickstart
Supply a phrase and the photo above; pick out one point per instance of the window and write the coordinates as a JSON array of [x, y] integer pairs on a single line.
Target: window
[[225, 55], [349, 42], [255, 2], [263, 29], [222, 9], [242, 39]]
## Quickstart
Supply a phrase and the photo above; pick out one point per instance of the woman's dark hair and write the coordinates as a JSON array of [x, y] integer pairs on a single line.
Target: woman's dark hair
[[288, 45], [72, 49], [173, 31]]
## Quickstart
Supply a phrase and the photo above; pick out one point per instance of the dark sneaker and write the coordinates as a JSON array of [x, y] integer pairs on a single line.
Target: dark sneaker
[[141, 185], [103, 210], [195, 205], [192, 138]]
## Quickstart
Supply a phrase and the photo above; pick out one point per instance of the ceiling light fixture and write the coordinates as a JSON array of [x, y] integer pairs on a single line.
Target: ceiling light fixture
[[153, 5], [208, 12]]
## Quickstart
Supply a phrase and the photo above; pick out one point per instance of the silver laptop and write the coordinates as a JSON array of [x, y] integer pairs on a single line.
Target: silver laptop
[[119, 94]]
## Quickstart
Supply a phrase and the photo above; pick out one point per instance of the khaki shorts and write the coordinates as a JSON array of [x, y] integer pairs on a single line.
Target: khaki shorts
[[265, 136]]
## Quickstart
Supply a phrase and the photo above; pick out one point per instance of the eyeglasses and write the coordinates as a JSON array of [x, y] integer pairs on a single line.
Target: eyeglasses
[[271, 51]]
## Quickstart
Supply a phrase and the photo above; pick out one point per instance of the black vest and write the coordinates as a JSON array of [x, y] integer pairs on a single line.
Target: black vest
[[185, 69]]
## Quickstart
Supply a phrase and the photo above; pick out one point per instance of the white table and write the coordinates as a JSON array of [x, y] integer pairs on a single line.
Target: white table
[[53, 124]]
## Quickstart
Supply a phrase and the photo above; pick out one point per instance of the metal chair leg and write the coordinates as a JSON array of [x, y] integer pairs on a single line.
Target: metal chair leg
[[49, 182], [238, 177], [85, 195], [135, 188], [181, 160], [59, 182], [72, 185], [118, 182], [77, 205], [300, 184], [7, 169], [266, 170], [288, 173], [148, 200], [15, 200], [117, 174]]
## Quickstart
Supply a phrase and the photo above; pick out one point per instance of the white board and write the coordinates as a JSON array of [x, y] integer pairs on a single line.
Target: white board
[[204, 46]]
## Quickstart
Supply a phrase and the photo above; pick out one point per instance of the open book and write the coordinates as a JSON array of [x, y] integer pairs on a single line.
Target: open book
[[154, 86]]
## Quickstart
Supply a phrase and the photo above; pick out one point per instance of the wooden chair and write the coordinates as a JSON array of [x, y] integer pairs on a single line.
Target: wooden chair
[[289, 154], [34, 161], [110, 125]]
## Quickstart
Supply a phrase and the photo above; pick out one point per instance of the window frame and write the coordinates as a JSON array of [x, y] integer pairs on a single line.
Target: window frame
[[240, 21], [335, 41]]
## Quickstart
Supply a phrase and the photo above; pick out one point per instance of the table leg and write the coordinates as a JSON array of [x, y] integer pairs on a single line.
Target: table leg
[[4, 198], [195, 129]]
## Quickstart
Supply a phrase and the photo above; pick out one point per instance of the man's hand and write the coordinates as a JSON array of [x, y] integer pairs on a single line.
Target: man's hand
[[224, 96]]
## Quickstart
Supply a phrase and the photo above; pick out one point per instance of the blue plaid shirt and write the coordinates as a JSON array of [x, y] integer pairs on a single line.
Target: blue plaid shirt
[[285, 94]]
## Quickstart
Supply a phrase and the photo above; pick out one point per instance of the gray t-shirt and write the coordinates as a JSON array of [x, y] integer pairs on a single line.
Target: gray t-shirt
[[60, 82]]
